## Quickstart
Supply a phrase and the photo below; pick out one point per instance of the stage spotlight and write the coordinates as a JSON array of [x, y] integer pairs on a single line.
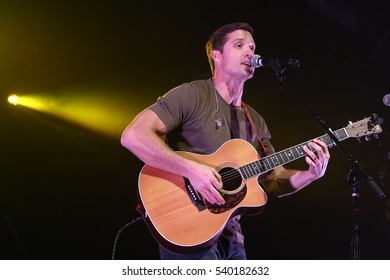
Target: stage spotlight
[[97, 109], [13, 99]]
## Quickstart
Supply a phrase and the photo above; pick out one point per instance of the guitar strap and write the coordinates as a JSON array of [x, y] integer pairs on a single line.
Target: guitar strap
[[248, 115]]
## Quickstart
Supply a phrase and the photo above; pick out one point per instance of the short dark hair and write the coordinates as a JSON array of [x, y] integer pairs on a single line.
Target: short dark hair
[[219, 37]]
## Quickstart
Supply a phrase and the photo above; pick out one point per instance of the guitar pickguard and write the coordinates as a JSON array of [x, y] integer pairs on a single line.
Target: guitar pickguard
[[231, 200]]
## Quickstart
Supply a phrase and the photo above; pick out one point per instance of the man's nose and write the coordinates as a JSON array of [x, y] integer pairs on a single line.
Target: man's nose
[[249, 52]]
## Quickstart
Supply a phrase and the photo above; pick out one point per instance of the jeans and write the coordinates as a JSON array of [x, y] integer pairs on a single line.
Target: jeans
[[223, 249]]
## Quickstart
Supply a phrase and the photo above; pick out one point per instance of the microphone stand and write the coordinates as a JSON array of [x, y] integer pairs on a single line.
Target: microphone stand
[[355, 175]]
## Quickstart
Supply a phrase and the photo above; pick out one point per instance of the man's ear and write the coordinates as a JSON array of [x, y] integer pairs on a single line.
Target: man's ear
[[215, 55]]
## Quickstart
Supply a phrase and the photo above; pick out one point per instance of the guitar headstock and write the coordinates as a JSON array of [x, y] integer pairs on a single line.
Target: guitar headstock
[[364, 128]]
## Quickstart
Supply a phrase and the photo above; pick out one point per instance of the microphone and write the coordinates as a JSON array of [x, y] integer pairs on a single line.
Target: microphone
[[274, 63], [386, 99]]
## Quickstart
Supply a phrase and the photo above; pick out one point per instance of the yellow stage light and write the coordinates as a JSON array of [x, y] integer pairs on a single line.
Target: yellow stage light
[[13, 99], [104, 111]]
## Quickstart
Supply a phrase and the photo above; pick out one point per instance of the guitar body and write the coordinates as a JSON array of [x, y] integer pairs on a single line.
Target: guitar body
[[172, 217]]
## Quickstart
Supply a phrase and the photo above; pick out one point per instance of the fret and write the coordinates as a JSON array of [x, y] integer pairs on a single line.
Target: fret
[[260, 166], [275, 160], [271, 161], [327, 140], [251, 171], [263, 168], [246, 169], [280, 158], [284, 156], [265, 161], [342, 134], [243, 173], [290, 155], [300, 150], [271, 164], [295, 152], [256, 168]]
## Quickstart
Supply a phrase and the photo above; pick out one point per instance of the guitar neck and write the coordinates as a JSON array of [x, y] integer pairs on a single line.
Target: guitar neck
[[268, 163]]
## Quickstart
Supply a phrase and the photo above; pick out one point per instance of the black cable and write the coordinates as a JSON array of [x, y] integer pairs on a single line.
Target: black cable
[[119, 232]]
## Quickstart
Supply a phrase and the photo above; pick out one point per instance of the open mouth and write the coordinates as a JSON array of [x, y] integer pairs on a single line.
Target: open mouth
[[248, 67]]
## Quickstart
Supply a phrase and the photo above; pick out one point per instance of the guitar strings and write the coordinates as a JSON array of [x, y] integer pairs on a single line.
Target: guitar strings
[[232, 175]]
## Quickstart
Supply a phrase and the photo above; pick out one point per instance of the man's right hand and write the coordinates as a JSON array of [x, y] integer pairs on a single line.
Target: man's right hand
[[207, 181]]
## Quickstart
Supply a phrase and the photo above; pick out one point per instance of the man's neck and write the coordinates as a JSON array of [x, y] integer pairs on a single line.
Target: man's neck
[[230, 90]]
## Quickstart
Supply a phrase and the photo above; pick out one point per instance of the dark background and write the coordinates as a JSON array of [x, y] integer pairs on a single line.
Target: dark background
[[65, 190]]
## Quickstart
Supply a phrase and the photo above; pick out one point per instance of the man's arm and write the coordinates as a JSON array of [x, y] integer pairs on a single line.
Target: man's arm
[[282, 182], [142, 138]]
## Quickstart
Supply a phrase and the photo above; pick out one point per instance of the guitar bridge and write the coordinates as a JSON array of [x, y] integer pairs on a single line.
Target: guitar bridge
[[194, 195]]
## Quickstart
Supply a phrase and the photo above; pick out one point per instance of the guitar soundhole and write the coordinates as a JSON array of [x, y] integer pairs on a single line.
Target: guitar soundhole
[[231, 178]]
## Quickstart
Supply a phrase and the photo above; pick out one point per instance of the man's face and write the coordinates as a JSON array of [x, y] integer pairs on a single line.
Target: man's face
[[236, 55]]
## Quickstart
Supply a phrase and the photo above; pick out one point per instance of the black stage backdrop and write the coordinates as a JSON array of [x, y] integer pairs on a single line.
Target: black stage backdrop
[[66, 190]]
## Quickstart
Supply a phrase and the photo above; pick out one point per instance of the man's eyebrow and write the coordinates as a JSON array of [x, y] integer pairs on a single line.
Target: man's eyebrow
[[242, 39], [238, 39]]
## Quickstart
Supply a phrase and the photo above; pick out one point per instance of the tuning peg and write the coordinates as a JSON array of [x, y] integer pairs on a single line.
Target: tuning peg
[[375, 119], [367, 138], [359, 139], [376, 136]]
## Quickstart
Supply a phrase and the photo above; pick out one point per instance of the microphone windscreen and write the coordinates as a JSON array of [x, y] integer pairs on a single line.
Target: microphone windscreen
[[386, 99], [256, 61]]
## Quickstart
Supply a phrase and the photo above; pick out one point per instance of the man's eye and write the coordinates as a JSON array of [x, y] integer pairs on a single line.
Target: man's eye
[[238, 45]]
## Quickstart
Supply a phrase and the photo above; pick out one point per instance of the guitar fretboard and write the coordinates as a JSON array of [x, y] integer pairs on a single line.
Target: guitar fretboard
[[268, 163]]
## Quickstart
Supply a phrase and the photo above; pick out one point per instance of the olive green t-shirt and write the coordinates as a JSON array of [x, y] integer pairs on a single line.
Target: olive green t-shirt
[[190, 113]]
